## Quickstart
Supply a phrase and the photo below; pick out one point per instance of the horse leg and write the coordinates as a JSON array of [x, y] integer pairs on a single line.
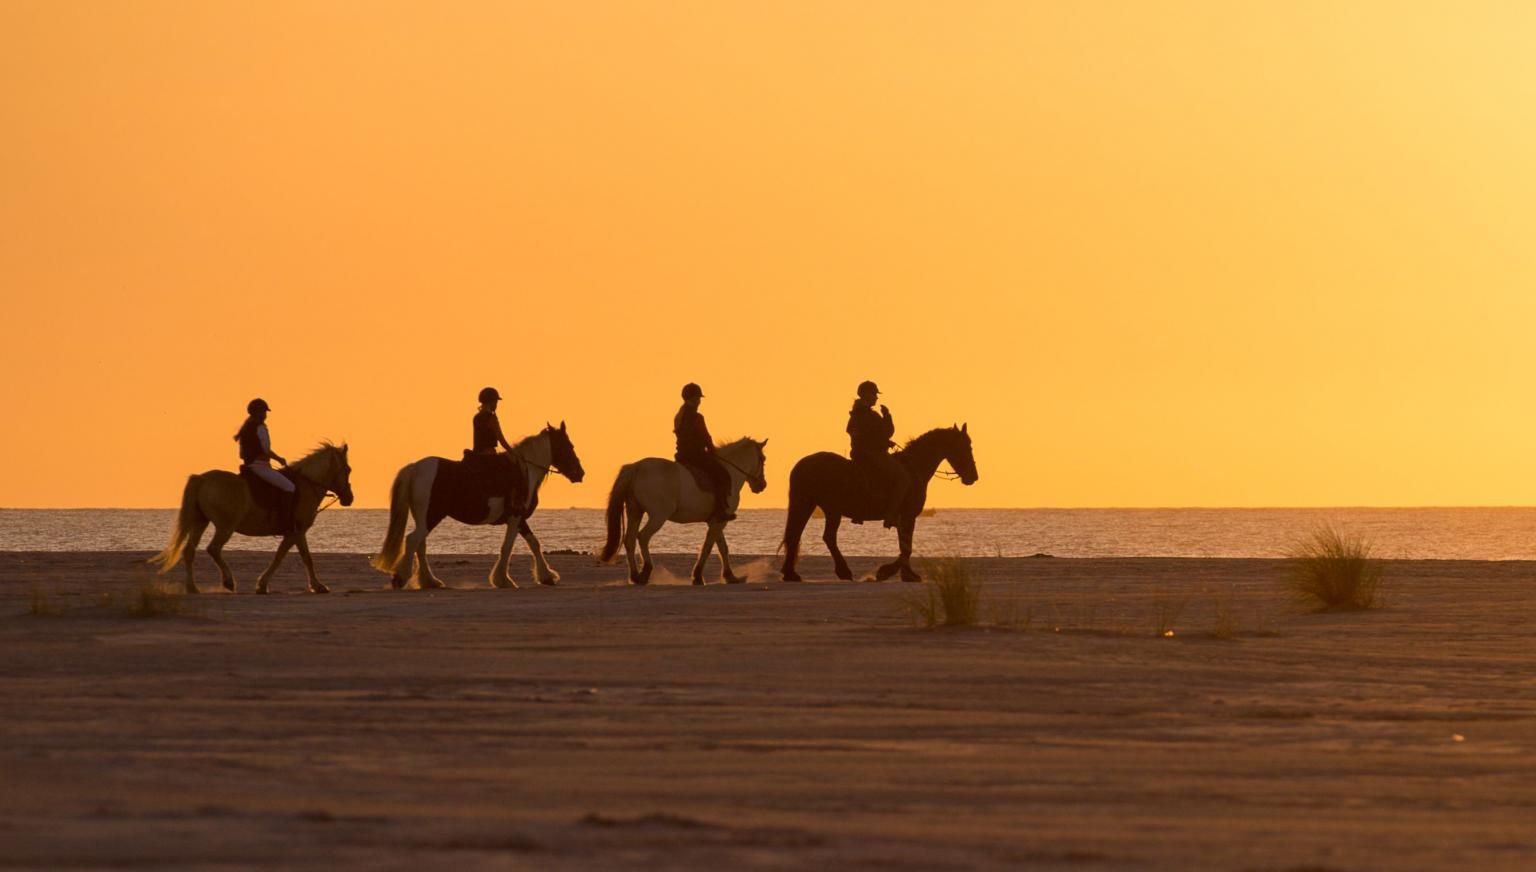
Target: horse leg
[[216, 551], [277, 560], [541, 567], [193, 535], [829, 536], [500, 574], [725, 560], [309, 564], [710, 533], [653, 522], [424, 577], [794, 525], [904, 533], [631, 537]]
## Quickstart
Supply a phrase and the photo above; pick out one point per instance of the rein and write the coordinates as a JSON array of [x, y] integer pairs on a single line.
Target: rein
[[744, 473]]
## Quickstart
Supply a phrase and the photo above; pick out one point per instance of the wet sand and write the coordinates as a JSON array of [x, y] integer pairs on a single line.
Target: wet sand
[[596, 725]]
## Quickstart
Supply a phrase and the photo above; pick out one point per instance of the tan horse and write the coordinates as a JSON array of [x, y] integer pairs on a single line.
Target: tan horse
[[224, 499], [661, 490]]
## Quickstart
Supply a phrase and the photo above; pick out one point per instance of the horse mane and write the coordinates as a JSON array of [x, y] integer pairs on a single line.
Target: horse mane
[[325, 447], [732, 443], [925, 438]]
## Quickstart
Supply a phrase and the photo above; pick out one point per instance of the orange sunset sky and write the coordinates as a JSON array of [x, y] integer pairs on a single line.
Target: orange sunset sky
[[1155, 253]]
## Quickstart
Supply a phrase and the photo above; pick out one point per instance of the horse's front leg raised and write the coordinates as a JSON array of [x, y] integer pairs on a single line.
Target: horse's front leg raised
[[541, 568], [309, 565], [501, 575], [725, 560], [277, 560], [711, 533]]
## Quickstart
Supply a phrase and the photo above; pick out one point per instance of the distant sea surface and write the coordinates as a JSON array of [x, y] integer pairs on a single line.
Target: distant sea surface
[[1459, 533]]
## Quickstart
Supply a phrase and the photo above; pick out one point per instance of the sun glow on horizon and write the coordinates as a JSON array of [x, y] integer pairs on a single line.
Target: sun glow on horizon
[[1173, 253]]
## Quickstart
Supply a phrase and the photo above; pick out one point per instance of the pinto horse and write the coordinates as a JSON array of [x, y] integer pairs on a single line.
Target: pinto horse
[[435, 488], [224, 499], [827, 481], [663, 490]]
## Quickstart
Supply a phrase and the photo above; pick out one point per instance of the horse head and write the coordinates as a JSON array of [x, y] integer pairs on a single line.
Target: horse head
[[327, 467], [755, 469], [562, 453], [957, 450]]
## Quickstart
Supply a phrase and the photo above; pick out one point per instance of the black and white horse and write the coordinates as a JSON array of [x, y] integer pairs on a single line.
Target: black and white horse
[[434, 488]]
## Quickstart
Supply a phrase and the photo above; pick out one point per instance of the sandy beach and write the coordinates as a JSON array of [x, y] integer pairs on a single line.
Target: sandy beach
[[596, 725]]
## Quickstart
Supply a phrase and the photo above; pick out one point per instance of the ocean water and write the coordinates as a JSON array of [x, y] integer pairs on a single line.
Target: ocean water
[[1440, 533]]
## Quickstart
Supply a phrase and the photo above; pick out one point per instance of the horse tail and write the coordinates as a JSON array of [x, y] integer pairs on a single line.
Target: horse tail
[[186, 520], [615, 515], [399, 509]]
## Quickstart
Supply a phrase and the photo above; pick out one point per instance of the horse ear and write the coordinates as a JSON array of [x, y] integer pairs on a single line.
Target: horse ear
[[562, 425], [962, 428]]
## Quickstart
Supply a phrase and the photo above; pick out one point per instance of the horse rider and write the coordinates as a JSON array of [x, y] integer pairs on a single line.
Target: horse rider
[[497, 471], [870, 435], [695, 448], [256, 456]]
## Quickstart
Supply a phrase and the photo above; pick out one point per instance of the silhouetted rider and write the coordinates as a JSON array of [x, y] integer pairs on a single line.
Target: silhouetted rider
[[497, 472], [256, 456], [870, 434], [696, 448]]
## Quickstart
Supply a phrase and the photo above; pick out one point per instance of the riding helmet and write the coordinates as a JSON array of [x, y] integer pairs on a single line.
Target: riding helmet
[[489, 395], [868, 389], [692, 390], [257, 405]]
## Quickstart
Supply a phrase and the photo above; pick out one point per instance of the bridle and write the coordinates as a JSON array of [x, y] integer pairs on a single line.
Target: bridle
[[744, 474]]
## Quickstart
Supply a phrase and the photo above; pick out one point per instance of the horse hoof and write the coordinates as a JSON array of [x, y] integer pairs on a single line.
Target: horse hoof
[[846, 575], [317, 587], [397, 583], [550, 580], [230, 585], [431, 584], [791, 576], [911, 577], [698, 581], [884, 572], [735, 579], [504, 583], [192, 588], [262, 591]]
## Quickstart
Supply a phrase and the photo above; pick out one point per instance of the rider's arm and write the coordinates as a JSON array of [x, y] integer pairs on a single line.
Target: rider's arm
[[496, 422], [266, 446]]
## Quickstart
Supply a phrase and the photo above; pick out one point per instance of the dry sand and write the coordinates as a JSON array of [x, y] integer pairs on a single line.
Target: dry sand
[[596, 725]]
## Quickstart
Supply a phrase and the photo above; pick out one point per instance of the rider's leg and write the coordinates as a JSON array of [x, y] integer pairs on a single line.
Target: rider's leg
[[287, 497], [720, 481]]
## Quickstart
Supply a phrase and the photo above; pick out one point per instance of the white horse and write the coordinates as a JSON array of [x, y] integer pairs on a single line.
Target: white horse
[[663, 490], [435, 488]]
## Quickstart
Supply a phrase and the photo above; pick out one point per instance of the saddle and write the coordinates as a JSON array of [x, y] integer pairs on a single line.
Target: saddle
[[700, 477], [498, 476], [264, 494]]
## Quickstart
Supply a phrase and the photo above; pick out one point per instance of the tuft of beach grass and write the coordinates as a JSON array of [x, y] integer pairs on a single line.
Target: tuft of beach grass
[[1334, 570], [949, 597]]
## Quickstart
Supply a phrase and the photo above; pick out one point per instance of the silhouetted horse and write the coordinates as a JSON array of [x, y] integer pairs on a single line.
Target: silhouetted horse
[[435, 488], [664, 490], [827, 481], [224, 499]]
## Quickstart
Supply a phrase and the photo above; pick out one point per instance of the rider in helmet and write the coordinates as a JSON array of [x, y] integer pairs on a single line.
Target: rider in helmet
[[871, 434], [497, 471], [695, 448], [256, 456]]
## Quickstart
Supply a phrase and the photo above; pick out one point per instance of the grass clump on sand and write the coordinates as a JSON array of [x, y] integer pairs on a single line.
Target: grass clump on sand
[[949, 596], [152, 600], [1334, 570]]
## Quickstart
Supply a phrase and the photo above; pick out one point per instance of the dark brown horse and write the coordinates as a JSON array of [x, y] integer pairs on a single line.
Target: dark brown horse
[[827, 481]]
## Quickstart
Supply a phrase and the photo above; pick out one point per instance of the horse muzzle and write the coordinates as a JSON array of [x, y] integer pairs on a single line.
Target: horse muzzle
[[758, 486], [346, 498]]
